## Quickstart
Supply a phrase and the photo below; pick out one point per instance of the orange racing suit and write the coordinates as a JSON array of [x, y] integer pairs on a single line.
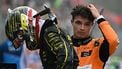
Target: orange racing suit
[[93, 53]]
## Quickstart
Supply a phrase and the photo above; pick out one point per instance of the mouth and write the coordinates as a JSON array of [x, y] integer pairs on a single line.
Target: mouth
[[81, 32]]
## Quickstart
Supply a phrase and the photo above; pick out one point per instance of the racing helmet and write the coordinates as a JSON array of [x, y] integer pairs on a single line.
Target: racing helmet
[[20, 26]]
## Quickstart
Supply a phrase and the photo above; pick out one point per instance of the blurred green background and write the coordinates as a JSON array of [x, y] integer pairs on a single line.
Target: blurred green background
[[62, 9]]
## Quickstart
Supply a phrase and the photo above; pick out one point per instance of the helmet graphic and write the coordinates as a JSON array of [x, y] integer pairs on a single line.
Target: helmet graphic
[[20, 25]]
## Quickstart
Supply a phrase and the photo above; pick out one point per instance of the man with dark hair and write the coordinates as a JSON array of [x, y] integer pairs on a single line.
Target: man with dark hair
[[92, 52]]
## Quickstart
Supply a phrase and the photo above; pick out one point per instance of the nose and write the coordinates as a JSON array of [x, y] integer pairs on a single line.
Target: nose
[[82, 27]]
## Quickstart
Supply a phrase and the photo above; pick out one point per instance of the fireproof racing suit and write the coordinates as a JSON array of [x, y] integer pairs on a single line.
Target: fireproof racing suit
[[56, 48], [93, 53]]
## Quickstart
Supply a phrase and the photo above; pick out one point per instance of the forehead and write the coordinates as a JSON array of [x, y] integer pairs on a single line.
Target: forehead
[[80, 18]]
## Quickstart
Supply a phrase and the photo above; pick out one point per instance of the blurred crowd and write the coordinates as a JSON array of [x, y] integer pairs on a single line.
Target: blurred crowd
[[62, 10]]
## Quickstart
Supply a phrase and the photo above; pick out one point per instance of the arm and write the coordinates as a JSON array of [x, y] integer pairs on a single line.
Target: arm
[[59, 46], [31, 44], [110, 36]]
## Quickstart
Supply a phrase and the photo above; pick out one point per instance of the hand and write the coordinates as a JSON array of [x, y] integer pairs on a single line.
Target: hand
[[17, 42], [94, 10], [19, 39]]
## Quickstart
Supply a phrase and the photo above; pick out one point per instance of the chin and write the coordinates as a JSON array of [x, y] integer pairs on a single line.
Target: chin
[[82, 36]]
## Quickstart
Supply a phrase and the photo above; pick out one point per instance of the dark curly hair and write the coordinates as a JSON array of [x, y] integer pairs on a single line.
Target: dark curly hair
[[82, 11]]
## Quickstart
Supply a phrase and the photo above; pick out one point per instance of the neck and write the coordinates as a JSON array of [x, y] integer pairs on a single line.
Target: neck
[[81, 41]]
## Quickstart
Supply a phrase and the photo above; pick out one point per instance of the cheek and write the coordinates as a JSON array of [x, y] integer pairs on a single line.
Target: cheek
[[75, 27], [88, 29]]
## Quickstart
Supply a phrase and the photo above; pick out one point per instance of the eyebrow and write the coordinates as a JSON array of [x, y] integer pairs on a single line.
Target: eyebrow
[[88, 22]]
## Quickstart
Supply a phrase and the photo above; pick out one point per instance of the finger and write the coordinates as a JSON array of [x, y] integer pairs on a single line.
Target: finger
[[91, 6]]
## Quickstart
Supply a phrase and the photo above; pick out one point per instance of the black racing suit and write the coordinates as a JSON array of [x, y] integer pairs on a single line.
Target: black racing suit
[[56, 48]]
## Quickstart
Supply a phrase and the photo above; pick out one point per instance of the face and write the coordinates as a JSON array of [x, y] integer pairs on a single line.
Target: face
[[81, 27]]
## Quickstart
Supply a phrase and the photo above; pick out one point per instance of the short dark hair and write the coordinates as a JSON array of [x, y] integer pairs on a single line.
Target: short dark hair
[[82, 11]]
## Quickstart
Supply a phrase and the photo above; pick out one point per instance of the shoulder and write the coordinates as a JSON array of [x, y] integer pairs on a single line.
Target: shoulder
[[52, 28], [98, 41]]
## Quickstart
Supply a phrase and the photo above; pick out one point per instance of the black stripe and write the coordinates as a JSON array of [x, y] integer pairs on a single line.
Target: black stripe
[[104, 51], [100, 20]]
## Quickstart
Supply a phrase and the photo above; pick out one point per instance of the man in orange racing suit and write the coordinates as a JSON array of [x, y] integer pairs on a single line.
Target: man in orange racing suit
[[92, 53]]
